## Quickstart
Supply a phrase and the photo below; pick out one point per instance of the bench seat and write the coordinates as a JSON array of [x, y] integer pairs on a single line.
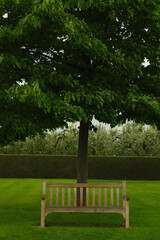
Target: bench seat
[[85, 209]]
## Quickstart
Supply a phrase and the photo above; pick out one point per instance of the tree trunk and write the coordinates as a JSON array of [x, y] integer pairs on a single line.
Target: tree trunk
[[82, 163]]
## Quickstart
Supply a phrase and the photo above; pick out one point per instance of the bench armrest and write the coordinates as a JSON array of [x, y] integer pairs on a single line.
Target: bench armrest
[[126, 198], [43, 197]]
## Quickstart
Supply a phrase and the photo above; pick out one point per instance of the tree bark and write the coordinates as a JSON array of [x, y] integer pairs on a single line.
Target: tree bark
[[82, 163]]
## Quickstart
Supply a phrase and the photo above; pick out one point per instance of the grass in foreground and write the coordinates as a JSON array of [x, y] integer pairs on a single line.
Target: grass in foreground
[[20, 214]]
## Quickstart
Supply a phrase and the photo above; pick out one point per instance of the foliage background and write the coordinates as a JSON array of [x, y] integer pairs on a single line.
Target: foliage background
[[130, 140]]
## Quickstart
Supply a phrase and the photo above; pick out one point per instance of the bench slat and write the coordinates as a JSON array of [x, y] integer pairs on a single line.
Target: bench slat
[[111, 197], [117, 197], [87, 197], [69, 197], [75, 197], [63, 196], [81, 197], [50, 197], [105, 197], [93, 197], [99, 197], [56, 197]]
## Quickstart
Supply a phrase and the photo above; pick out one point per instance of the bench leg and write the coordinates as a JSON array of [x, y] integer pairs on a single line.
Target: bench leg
[[124, 219], [43, 205], [127, 215], [42, 220]]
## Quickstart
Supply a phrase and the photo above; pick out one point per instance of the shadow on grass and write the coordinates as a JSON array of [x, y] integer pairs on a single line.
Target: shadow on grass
[[101, 220]]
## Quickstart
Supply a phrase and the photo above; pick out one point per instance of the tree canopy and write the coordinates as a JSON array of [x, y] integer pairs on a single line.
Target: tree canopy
[[68, 60]]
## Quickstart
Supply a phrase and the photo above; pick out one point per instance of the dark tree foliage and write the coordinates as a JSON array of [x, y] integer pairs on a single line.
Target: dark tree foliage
[[68, 60]]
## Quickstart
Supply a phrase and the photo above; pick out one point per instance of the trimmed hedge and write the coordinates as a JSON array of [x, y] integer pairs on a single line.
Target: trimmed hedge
[[43, 166]]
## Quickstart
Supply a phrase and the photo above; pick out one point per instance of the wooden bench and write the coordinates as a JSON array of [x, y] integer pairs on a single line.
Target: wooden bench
[[108, 199]]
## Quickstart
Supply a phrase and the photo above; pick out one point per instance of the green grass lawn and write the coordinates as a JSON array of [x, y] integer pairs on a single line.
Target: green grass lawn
[[20, 201]]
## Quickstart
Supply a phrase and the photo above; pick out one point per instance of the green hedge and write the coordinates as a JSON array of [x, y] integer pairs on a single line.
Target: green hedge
[[43, 166]]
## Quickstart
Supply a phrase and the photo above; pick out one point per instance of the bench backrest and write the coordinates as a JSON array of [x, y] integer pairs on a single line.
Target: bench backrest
[[108, 194]]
